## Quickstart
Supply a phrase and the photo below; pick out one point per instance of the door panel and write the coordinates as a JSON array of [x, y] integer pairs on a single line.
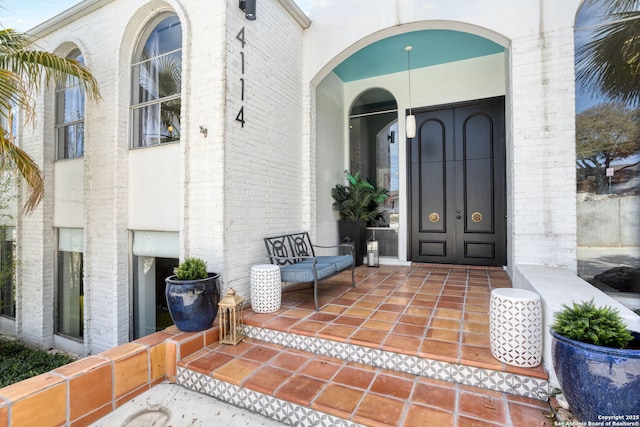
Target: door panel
[[431, 171], [457, 185]]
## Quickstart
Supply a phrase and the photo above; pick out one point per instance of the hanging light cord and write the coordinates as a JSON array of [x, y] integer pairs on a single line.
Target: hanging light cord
[[408, 49]]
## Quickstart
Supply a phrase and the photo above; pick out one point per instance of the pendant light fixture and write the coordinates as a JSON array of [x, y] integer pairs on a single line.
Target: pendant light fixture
[[410, 123]]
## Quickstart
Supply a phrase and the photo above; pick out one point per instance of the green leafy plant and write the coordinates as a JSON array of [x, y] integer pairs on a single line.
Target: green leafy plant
[[589, 324], [358, 201], [191, 269], [19, 362]]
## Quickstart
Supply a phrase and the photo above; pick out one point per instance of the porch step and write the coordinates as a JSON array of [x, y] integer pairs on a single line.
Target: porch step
[[298, 387], [525, 382]]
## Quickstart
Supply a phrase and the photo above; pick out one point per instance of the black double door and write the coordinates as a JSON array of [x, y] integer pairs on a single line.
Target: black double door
[[457, 185]]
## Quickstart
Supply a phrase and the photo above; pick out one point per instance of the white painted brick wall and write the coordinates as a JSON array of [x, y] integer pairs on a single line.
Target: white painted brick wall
[[265, 169], [542, 190]]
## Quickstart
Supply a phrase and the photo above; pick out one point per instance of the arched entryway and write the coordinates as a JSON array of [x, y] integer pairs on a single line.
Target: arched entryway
[[451, 68]]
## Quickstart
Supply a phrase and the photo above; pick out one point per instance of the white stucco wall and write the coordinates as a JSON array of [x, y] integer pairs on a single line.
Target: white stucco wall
[[154, 188], [68, 190], [331, 154]]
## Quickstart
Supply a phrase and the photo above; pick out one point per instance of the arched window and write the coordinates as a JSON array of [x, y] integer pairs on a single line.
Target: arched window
[[157, 83], [70, 115], [373, 133], [373, 138]]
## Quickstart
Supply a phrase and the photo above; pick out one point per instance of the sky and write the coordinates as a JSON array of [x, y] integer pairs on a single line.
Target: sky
[[23, 15]]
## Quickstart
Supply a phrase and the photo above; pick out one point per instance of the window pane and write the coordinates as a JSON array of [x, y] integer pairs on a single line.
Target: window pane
[[166, 37], [158, 77], [73, 108], [146, 122], [70, 294], [170, 118], [71, 141], [7, 272], [150, 310]]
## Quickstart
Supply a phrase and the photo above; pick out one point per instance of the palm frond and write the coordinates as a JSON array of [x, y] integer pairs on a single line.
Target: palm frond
[[610, 63], [32, 64], [26, 166], [14, 95]]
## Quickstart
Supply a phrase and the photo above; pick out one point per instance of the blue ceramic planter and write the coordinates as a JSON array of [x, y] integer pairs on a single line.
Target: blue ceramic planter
[[597, 381], [193, 304]]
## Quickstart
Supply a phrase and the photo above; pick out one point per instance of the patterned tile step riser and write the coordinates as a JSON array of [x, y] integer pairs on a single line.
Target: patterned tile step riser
[[268, 406], [504, 382]]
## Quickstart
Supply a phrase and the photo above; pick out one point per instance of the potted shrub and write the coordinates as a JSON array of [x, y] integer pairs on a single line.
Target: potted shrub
[[192, 295], [358, 205], [597, 361]]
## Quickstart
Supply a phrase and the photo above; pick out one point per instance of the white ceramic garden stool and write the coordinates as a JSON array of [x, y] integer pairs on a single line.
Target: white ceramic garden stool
[[515, 327], [266, 292]]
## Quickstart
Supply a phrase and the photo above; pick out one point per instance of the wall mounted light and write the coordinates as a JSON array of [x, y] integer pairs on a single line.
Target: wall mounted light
[[410, 124], [249, 9]]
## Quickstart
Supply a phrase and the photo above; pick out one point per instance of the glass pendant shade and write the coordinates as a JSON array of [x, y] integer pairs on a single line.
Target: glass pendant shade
[[411, 126]]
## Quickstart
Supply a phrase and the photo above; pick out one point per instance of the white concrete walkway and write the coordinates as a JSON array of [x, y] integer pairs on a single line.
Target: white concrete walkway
[[172, 405]]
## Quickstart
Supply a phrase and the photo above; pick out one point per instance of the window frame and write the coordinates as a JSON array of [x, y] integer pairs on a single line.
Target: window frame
[[137, 107], [60, 256], [61, 91]]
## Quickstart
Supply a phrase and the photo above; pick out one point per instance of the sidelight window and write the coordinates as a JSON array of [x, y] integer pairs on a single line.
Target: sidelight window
[[373, 135]]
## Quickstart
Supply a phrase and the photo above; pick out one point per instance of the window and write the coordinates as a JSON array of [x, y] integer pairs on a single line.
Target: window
[[373, 131], [70, 296], [155, 255], [7, 272], [607, 48], [156, 85], [70, 116], [150, 309]]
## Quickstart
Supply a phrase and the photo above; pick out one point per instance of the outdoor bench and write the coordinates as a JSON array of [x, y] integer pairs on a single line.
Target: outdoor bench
[[295, 254]]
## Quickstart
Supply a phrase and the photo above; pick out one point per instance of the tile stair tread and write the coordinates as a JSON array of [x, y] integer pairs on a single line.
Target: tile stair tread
[[355, 392]]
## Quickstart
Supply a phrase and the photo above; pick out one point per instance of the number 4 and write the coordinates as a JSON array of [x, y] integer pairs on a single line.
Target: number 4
[[240, 36], [240, 116]]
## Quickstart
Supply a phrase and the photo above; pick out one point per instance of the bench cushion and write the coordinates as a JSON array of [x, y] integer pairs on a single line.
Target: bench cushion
[[302, 272], [341, 262]]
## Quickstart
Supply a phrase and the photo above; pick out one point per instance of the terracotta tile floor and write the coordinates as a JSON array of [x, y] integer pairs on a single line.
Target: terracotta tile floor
[[432, 311], [440, 312]]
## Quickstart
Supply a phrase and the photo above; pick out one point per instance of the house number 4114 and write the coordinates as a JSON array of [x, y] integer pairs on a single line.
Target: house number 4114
[[240, 37]]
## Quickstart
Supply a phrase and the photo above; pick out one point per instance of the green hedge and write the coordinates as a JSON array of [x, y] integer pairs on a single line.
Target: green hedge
[[19, 362]]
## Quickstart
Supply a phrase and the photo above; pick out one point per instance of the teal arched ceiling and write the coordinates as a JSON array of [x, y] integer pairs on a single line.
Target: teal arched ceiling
[[430, 47]]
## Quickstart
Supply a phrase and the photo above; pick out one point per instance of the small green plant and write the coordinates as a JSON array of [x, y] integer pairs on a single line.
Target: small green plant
[[191, 269], [589, 324], [359, 201]]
